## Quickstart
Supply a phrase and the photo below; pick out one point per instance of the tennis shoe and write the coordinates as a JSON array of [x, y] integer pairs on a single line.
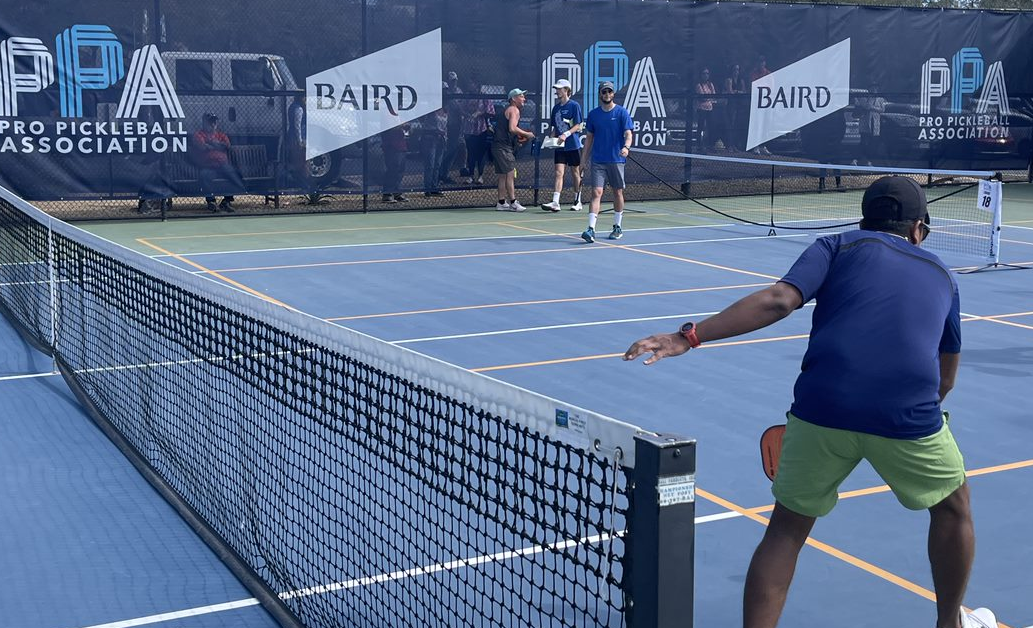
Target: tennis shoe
[[588, 235], [617, 233], [515, 206], [502, 207], [979, 618], [551, 206], [576, 207]]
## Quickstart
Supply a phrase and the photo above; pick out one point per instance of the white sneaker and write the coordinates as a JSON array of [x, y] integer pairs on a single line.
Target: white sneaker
[[979, 618], [515, 206], [551, 206], [853, 163], [764, 151], [502, 207], [576, 207]]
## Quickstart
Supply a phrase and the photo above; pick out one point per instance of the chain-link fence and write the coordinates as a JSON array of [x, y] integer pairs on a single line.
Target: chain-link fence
[[180, 107]]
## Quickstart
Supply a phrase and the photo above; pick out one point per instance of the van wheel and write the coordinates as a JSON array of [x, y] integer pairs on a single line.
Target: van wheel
[[323, 170]]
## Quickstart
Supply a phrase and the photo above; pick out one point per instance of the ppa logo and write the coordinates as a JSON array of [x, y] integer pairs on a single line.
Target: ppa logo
[[27, 67], [964, 76], [609, 61]]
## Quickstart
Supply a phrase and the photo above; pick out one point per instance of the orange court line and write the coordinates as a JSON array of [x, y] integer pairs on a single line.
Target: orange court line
[[545, 301], [873, 490], [213, 273], [663, 255], [831, 551], [710, 345], [247, 234], [402, 259]]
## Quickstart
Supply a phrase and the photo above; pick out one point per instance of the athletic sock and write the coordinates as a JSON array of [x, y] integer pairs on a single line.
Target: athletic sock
[[591, 220], [556, 197], [617, 218]]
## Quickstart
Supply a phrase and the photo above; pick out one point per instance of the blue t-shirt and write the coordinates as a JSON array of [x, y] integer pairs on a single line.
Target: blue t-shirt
[[607, 129], [565, 117], [885, 311]]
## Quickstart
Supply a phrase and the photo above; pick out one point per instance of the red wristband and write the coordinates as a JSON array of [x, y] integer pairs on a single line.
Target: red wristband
[[688, 331]]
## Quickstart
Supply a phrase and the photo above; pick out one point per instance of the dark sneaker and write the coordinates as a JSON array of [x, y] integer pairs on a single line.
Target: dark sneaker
[[588, 235], [616, 234]]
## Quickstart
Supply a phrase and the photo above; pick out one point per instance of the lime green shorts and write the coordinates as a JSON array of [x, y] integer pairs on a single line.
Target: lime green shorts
[[815, 460]]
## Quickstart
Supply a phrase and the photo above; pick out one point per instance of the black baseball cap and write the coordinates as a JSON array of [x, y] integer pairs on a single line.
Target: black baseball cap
[[895, 198], [210, 116]]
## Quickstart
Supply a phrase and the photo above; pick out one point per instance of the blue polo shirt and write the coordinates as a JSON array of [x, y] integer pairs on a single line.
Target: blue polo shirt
[[560, 115], [607, 129], [885, 311]]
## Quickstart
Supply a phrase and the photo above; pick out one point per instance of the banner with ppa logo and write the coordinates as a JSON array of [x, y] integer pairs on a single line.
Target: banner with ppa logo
[[799, 94]]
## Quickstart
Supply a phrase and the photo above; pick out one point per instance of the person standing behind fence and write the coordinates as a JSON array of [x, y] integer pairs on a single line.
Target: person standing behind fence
[[760, 70], [213, 162], [433, 129], [453, 138], [296, 130], [737, 109], [394, 145], [475, 123], [503, 150], [704, 108], [566, 120], [608, 141], [869, 122]]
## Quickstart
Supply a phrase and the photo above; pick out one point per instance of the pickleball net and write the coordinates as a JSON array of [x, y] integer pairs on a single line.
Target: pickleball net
[[345, 480], [965, 206]]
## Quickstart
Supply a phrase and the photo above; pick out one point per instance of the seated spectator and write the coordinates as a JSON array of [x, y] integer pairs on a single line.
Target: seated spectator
[[212, 157]]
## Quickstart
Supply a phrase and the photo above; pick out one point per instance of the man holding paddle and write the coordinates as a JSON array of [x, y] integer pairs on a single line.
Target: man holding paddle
[[883, 352]]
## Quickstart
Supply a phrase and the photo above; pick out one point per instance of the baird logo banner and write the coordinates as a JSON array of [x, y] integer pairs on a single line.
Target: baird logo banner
[[799, 94], [964, 77], [367, 96], [27, 68], [609, 61]]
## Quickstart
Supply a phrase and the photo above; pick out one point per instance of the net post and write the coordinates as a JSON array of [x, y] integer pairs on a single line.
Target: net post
[[661, 528]]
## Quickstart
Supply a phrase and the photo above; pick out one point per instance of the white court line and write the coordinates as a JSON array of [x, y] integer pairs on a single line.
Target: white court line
[[522, 330], [387, 577], [7, 378], [473, 239]]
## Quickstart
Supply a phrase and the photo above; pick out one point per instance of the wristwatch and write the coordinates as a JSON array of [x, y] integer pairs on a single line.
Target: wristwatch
[[688, 331]]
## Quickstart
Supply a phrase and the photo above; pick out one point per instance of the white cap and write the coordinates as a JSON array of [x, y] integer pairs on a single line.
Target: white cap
[[561, 83]]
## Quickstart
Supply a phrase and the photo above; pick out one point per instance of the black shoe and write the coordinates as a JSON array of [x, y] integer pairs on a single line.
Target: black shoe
[[226, 206], [401, 198], [387, 198], [212, 207]]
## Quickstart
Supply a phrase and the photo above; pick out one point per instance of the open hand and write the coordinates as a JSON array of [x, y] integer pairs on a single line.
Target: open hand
[[660, 345]]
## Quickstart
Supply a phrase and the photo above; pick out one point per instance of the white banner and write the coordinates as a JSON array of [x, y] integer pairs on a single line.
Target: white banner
[[799, 94], [369, 95]]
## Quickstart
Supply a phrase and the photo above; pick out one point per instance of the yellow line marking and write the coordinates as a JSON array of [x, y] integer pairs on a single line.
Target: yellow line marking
[[663, 255], [213, 273], [393, 260], [883, 488], [250, 234], [545, 301], [830, 550], [709, 345]]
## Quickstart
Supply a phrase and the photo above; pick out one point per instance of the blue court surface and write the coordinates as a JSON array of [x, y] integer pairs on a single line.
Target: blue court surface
[[88, 543]]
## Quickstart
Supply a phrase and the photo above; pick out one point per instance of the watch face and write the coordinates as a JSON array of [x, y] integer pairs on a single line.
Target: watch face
[[687, 327]]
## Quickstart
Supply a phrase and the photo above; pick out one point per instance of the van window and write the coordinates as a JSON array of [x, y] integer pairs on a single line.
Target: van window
[[252, 74], [194, 74]]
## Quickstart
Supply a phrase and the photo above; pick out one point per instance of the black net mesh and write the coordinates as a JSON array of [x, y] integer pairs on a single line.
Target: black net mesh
[[360, 496]]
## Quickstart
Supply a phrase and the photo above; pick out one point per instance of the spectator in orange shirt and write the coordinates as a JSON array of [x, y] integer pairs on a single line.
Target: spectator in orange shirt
[[213, 162]]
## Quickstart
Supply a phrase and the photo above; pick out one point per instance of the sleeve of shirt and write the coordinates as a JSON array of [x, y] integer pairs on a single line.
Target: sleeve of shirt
[[628, 125], [578, 116], [810, 269], [950, 342], [589, 126]]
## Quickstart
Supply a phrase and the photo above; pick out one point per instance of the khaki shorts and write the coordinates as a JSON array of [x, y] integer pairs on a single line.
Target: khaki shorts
[[815, 460]]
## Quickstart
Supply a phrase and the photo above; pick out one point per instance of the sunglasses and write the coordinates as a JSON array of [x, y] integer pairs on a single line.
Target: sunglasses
[[606, 91], [925, 230]]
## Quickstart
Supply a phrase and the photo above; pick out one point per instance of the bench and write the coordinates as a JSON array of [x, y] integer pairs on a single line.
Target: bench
[[260, 174]]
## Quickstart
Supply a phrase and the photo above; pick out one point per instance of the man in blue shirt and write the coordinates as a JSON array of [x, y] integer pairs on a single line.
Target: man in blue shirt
[[566, 122], [607, 144], [884, 350]]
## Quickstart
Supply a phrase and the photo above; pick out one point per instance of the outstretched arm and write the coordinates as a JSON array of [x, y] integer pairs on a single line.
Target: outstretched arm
[[760, 309]]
